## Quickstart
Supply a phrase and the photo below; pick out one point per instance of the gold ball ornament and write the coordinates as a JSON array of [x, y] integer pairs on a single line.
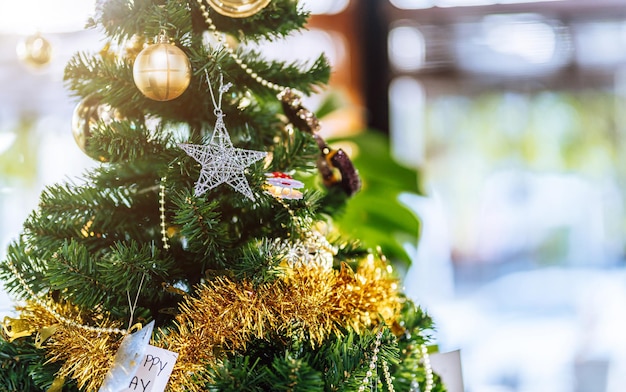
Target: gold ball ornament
[[35, 51], [162, 71], [238, 8], [86, 116]]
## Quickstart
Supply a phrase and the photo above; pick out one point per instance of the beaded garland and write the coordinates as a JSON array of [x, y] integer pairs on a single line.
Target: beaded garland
[[366, 381], [56, 314], [231, 52], [166, 244]]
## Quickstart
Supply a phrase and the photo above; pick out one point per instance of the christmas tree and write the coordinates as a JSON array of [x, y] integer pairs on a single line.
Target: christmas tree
[[195, 239]]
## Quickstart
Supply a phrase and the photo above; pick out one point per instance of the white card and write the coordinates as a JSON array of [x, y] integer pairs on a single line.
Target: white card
[[153, 372], [448, 367]]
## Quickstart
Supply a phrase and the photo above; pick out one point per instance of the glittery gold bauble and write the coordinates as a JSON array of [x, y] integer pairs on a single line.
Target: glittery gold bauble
[[86, 116], [162, 71], [238, 8], [35, 51]]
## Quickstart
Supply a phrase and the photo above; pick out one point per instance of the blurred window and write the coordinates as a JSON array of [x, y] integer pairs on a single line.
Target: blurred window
[[406, 48], [327, 7], [421, 4]]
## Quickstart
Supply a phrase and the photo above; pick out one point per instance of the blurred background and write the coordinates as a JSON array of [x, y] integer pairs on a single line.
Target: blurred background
[[513, 114]]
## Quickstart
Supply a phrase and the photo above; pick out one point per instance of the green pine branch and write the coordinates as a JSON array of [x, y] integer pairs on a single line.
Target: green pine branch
[[289, 373], [144, 270], [294, 151], [202, 227], [73, 271], [111, 214], [121, 20], [30, 268], [109, 78], [258, 263], [125, 142], [24, 368], [237, 374], [346, 360]]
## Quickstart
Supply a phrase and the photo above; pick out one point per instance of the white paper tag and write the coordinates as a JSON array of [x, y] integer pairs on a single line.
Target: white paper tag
[[153, 372], [126, 361], [448, 367]]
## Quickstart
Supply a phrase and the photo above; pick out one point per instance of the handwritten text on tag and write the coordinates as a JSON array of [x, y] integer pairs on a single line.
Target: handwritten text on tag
[[154, 371]]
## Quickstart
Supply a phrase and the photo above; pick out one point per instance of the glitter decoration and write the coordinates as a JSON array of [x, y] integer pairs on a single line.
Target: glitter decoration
[[297, 114], [312, 251], [221, 162]]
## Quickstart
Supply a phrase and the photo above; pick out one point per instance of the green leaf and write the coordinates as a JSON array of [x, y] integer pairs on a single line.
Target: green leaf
[[376, 215]]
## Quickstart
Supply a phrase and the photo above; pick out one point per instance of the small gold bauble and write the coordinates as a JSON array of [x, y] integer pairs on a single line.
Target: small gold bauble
[[86, 116], [134, 46], [238, 8], [172, 231], [162, 71], [35, 51]]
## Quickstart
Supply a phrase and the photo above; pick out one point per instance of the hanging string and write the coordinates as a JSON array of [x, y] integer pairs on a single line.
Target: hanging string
[[217, 104], [133, 305]]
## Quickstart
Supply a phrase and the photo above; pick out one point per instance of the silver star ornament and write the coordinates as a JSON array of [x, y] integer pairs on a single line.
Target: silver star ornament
[[221, 162]]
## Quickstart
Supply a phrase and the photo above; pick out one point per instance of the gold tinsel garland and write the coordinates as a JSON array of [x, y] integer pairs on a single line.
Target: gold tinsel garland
[[305, 303]]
